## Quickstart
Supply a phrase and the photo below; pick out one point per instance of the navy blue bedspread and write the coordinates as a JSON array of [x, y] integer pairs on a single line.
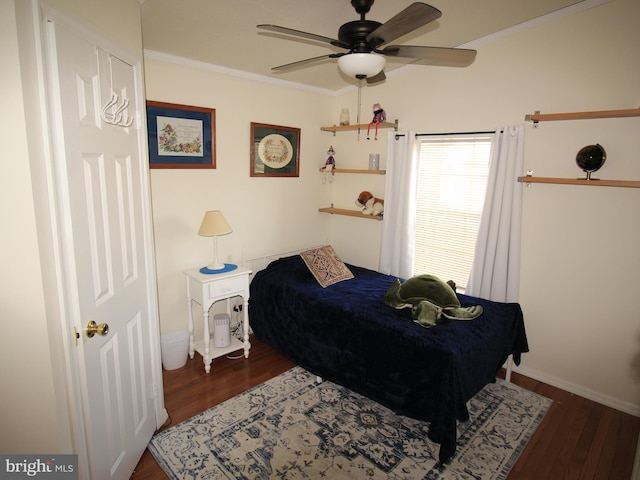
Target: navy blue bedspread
[[345, 333]]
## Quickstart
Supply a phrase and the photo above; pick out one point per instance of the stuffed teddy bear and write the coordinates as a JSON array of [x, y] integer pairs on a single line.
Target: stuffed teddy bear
[[369, 204]]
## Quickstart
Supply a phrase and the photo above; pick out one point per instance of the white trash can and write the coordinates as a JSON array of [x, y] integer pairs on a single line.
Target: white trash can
[[175, 349]]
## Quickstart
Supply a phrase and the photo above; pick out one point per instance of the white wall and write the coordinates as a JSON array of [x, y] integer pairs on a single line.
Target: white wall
[[267, 214], [580, 263], [25, 372], [357, 240], [580, 269]]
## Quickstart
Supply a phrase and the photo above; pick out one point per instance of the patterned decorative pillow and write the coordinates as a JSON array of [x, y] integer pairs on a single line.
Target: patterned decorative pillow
[[325, 265]]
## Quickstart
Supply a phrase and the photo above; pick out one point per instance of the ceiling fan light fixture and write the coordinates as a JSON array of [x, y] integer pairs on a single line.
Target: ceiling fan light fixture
[[361, 64]]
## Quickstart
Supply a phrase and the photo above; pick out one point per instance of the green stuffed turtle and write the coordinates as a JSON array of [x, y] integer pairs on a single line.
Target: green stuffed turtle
[[430, 299]]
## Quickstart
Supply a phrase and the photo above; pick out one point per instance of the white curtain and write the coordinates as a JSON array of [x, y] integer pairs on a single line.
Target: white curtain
[[495, 274], [398, 229]]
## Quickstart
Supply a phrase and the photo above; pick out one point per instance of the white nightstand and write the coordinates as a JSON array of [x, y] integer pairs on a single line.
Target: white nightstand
[[205, 290]]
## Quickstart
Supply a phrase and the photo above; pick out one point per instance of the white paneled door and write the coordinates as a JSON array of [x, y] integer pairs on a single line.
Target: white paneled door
[[103, 207]]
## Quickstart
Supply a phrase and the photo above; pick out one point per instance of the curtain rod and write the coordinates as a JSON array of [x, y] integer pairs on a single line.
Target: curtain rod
[[398, 135]]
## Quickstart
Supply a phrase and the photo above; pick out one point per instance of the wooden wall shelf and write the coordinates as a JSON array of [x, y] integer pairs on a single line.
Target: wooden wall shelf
[[581, 181], [352, 170], [540, 117], [350, 213], [358, 126], [344, 128]]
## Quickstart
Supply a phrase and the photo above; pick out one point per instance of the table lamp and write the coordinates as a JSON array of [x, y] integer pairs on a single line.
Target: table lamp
[[214, 224]]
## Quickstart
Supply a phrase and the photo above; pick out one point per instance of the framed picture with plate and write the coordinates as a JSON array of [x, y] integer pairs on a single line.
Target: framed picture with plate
[[275, 151]]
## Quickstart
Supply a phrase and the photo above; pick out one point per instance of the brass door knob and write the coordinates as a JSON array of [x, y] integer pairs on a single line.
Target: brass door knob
[[93, 328]]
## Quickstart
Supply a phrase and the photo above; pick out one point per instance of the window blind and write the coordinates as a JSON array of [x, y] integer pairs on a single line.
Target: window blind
[[452, 181]]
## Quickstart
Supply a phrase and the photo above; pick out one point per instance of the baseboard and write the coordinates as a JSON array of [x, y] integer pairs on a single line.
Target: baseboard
[[580, 390], [635, 474]]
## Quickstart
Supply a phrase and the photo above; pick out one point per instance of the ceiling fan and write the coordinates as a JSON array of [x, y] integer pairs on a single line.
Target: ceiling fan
[[365, 41]]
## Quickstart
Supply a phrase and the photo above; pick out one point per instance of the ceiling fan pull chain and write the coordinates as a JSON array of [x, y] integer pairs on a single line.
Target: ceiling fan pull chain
[[360, 80]]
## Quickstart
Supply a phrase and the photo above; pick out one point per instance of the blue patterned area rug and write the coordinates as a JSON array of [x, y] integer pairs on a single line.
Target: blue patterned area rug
[[291, 427]]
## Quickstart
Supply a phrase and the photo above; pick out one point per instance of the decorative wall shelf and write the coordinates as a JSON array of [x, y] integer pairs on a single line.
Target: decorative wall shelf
[[344, 128], [358, 126], [350, 213], [539, 117], [580, 181], [352, 170]]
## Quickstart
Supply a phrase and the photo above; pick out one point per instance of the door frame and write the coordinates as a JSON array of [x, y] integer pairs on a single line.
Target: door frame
[[52, 230]]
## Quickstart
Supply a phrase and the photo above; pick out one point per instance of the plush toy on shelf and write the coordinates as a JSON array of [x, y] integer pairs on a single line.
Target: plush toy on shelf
[[329, 165], [369, 204], [379, 116]]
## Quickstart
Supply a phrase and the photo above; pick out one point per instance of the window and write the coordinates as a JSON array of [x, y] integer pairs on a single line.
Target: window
[[452, 181]]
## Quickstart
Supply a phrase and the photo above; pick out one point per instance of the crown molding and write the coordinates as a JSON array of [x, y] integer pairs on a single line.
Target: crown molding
[[209, 67]]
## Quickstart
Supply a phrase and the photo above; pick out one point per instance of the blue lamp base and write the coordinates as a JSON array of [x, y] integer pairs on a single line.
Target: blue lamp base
[[228, 267]]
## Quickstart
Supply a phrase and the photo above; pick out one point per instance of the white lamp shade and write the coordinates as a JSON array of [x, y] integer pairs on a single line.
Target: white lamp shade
[[214, 224], [361, 64]]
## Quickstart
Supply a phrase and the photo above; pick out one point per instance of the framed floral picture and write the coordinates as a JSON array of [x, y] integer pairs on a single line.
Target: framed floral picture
[[275, 151], [181, 136]]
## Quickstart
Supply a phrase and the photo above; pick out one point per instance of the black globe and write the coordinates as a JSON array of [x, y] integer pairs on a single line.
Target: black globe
[[591, 157]]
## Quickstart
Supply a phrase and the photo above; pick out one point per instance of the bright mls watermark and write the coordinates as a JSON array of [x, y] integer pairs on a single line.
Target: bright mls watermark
[[51, 467]]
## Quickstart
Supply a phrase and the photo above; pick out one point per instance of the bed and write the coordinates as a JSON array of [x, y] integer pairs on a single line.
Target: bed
[[346, 333]]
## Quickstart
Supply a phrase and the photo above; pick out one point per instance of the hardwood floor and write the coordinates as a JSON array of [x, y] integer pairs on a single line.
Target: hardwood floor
[[578, 438]]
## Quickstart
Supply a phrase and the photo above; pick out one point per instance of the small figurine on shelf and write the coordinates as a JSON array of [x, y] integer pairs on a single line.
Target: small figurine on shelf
[[329, 165], [344, 117], [378, 117]]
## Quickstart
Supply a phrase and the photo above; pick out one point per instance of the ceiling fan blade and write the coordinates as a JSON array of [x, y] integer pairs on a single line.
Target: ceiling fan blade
[[308, 60], [380, 77], [298, 33], [414, 16], [448, 57]]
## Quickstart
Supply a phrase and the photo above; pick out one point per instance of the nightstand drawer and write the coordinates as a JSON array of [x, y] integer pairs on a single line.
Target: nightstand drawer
[[228, 286]]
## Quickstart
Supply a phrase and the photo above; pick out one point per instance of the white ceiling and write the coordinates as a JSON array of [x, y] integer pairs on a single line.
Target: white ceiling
[[224, 33]]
